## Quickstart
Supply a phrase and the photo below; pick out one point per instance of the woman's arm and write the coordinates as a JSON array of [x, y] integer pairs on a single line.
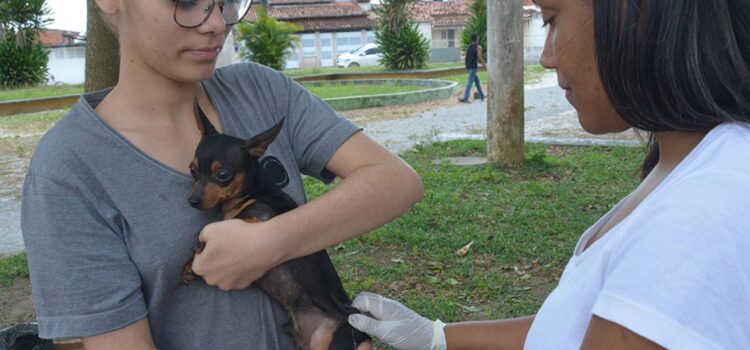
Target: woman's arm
[[377, 187], [402, 328], [136, 336], [603, 334], [500, 335]]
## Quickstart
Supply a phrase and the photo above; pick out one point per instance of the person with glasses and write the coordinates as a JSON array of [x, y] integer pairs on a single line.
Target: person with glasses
[[106, 220]]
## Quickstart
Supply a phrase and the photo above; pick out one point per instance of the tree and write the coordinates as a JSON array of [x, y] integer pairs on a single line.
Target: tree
[[398, 38], [267, 41], [102, 52], [23, 60], [505, 67], [476, 24]]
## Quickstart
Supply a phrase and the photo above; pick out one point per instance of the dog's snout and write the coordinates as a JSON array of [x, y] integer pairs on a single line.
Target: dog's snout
[[195, 202]]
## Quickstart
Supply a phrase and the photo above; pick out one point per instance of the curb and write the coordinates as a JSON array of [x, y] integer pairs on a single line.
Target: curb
[[438, 89]]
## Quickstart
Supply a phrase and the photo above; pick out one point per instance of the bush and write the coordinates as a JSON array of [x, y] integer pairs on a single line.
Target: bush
[[476, 24], [23, 61], [21, 66], [267, 41], [398, 37]]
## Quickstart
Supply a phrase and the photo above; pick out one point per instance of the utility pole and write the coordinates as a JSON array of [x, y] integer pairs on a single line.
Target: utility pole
[[505, 104]]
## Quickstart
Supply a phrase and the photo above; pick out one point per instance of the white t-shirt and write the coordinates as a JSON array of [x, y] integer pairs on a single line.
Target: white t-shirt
[[677, 269]]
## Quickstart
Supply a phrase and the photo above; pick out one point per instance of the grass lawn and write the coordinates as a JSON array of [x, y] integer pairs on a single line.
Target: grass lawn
[[524, 223], [12, 267], [332, 91], [39, 91], [532, 73]]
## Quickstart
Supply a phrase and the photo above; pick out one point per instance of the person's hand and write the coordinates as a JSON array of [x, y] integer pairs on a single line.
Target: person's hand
[[236, 253], [396, 324]]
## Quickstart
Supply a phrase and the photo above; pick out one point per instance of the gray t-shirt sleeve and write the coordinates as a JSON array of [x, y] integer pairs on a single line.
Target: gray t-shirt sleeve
[[84, 282], [316, 130]]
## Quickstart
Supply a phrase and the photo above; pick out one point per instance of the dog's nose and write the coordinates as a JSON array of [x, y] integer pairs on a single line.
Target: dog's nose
[[195, 202]]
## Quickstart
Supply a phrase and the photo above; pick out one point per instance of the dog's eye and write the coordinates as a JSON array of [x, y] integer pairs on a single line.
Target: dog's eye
[[223, 175], [193, 173]]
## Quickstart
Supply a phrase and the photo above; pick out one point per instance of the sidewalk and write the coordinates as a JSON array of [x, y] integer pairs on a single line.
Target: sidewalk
[[548, 118]]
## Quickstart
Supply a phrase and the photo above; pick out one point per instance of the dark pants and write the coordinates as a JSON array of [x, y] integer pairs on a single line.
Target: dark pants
[[473, 78]]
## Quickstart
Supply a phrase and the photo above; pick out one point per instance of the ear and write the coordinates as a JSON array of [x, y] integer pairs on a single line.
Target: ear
[[204, 124], [259, 143]]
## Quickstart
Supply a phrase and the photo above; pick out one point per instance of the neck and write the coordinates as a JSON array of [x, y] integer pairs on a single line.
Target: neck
[[674, 146], [153, 93]]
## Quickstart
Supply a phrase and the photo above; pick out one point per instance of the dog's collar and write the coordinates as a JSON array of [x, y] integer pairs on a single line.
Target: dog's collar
[[236, 206]]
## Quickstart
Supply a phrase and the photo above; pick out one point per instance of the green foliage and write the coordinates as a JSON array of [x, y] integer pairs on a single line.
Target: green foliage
[[12, 267], [476, 24], [398, 37], [23, 61], [267, 40]]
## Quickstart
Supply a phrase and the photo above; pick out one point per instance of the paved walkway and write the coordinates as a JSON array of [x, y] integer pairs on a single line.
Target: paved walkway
[[548, 118]]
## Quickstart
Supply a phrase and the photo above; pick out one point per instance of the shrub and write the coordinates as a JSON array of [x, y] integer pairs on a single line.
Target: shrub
[[23, 61], [266, 40], [398, 37]]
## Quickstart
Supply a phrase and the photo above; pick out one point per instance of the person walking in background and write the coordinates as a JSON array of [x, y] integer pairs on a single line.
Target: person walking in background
[[473, 55]]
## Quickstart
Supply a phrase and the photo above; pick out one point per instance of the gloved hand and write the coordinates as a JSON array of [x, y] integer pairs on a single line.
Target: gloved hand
[[396, 324]]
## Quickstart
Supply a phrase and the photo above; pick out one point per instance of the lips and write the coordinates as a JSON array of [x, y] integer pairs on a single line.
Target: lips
[[205, 53]]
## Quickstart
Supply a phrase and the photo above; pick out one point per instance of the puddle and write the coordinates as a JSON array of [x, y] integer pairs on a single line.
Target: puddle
[[12, 172]]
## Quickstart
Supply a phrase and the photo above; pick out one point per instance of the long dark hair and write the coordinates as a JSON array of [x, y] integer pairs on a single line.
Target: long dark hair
[[674, 65]]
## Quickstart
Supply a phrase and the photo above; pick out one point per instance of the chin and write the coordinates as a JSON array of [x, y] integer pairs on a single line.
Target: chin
[[602, 123]]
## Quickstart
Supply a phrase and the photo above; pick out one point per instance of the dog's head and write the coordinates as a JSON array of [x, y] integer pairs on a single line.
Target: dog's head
[[224, 166]]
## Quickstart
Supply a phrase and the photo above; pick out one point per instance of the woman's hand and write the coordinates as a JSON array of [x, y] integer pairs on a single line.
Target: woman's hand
[[396, 324], [237, 253]]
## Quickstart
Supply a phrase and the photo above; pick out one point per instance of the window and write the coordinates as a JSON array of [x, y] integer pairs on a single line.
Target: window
[[449, 37], [308, 45]]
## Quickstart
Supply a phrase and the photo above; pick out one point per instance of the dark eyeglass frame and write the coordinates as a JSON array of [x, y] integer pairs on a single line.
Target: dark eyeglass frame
[[210, 11]]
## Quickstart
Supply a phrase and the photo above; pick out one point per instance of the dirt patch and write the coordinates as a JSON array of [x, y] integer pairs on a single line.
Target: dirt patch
[[365, 116], [15, 303]]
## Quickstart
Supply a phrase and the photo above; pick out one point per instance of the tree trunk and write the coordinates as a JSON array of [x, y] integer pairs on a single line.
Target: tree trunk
[[102, 52], [505, 103]]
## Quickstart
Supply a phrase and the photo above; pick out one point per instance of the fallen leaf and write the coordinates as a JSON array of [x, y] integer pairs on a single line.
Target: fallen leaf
[[464, 250]]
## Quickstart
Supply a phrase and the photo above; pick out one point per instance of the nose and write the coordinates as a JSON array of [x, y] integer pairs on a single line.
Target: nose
[[547, 59], [195, 201], [215, 22]]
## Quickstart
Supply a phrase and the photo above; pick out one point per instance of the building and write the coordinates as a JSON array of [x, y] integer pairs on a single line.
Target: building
[[67, 56], [442, 23], [334, 27], [331, 28]]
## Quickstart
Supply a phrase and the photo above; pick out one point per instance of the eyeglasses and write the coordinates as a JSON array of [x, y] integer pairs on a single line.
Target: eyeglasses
[[193, 13]]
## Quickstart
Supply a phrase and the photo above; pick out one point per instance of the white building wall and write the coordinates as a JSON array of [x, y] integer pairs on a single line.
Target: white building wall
[[67, 65]]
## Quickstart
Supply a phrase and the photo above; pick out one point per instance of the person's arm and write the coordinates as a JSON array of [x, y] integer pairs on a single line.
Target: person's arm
[[136, 336], [377, 187], [402, 328], [499, 335], [603, 334], [479, 56]]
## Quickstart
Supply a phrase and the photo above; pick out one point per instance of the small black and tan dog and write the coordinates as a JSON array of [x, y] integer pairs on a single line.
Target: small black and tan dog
[[227, 173]]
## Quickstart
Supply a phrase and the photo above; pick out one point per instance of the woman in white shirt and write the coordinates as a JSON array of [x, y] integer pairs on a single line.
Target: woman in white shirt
[[668, 266]]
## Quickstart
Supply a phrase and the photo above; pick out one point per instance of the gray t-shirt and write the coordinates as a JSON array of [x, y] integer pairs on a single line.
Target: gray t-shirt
[[107, 229]]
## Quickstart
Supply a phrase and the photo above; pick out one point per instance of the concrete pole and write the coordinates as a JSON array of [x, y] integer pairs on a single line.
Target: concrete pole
[[505, 67]]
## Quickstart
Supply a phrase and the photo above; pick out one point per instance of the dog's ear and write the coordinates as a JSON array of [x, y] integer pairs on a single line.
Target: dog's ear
[[204, 125], [258, 144]]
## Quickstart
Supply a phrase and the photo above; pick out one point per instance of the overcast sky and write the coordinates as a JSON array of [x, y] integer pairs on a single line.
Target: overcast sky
[[68, 14]]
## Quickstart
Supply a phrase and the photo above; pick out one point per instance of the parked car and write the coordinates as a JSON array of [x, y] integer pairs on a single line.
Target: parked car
[[367, 55]]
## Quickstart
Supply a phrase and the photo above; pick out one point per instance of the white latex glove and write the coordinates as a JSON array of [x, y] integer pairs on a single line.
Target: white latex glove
[[396, 324]]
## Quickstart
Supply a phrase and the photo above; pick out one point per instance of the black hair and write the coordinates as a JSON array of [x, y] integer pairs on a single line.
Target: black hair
[[674, 65], [474, 37]]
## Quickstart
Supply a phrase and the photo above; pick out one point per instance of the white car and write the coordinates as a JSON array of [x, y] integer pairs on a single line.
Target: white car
[[367, 55]]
